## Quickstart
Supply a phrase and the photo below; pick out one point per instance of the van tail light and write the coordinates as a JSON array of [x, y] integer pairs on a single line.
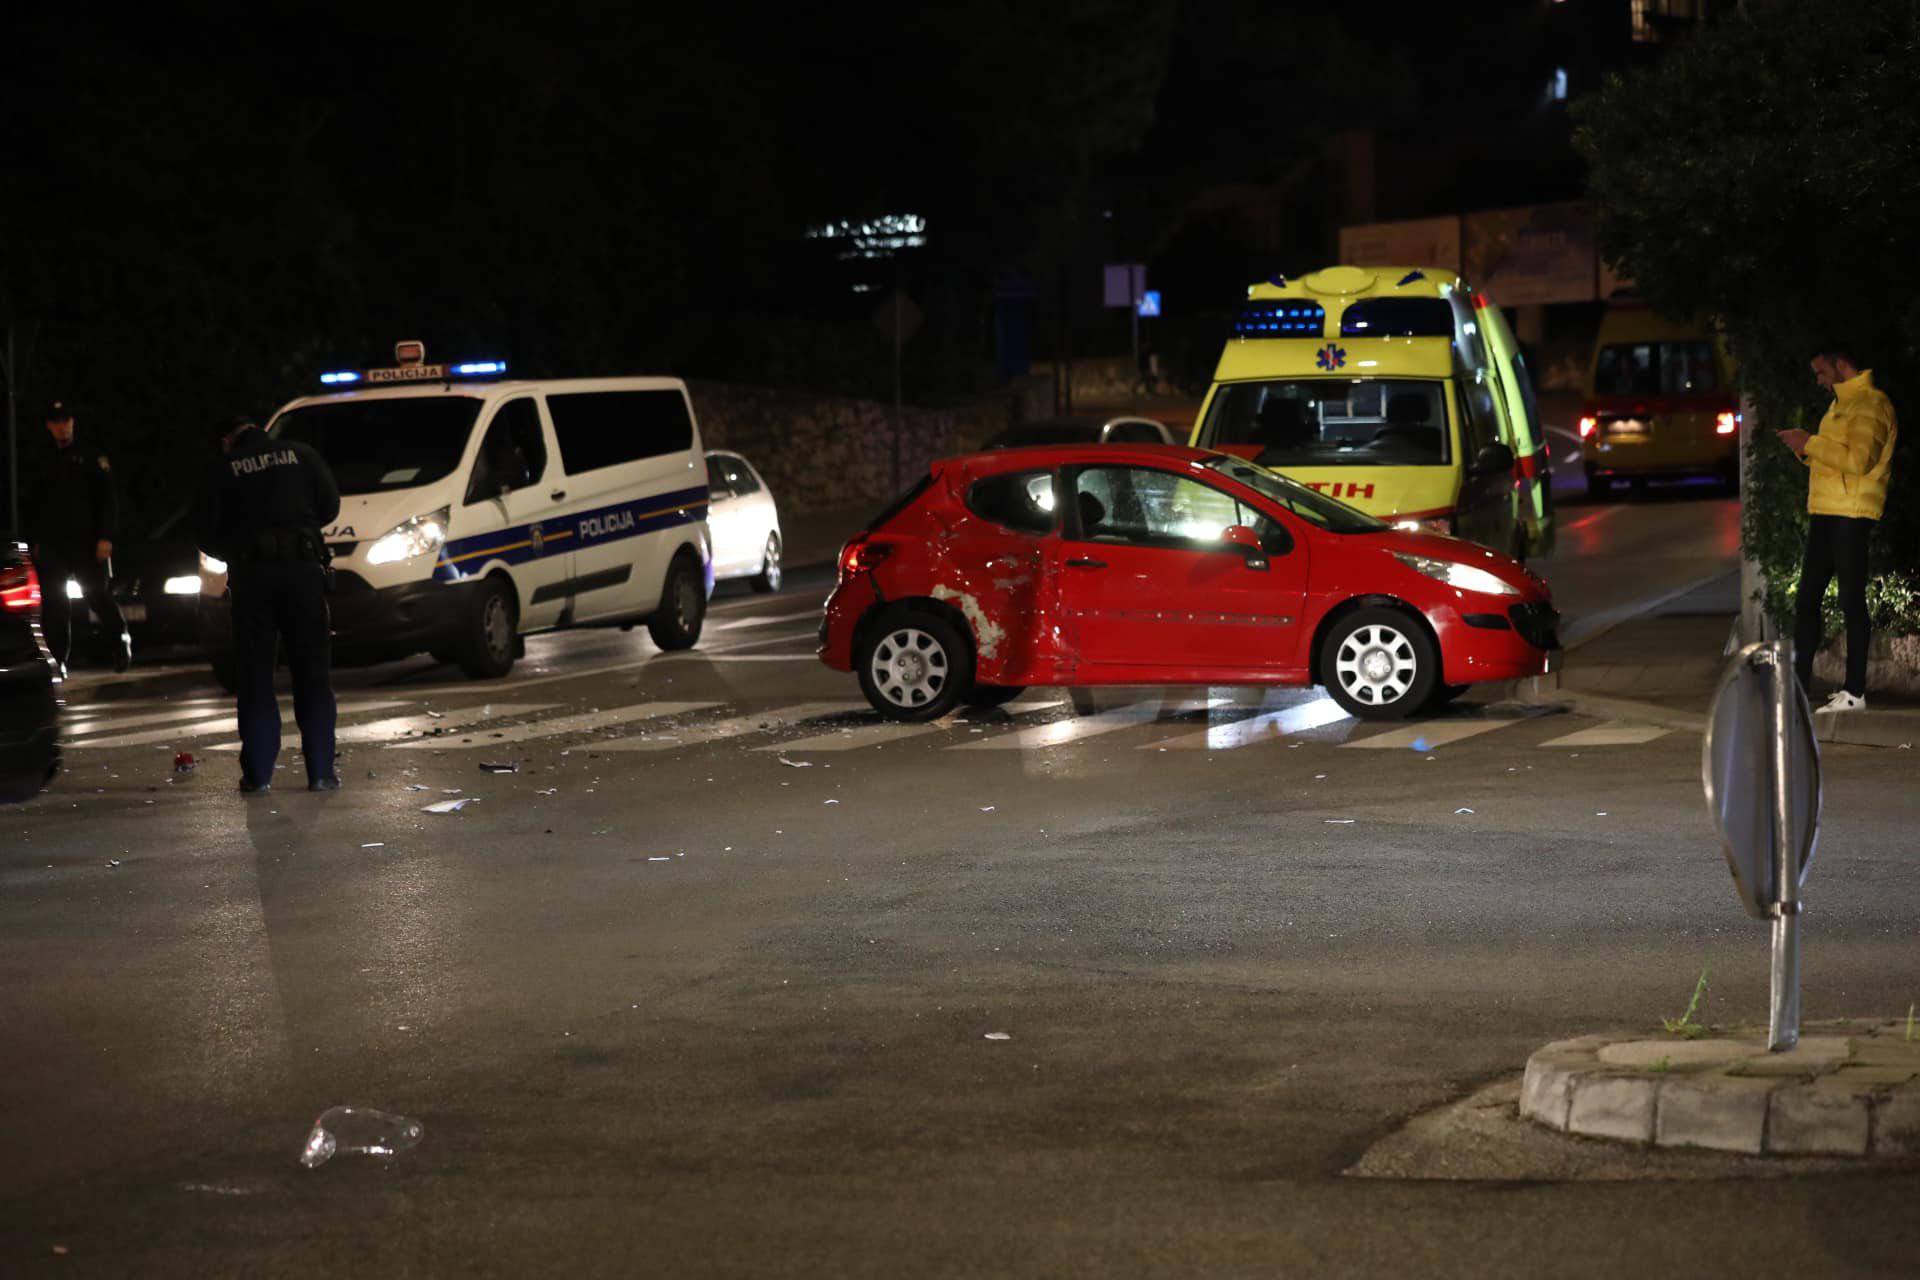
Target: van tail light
[[1588, 426], [19, 589], [860, 555], [1725, 424]]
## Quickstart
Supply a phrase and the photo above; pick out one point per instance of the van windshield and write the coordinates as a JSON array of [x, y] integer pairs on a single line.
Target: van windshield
[[1389, 422], [376, 445]]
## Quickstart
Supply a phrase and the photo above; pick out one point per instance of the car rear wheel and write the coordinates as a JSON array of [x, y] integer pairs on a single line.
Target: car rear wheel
[[683, 606], [767, 580], [487, 644], [1379, 664], [914, 665]]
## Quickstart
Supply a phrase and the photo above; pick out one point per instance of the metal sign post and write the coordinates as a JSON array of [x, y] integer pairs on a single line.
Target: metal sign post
[[1761, 770]]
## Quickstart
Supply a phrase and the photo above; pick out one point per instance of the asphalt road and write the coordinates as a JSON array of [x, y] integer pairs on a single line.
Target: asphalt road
[[668, 1004]]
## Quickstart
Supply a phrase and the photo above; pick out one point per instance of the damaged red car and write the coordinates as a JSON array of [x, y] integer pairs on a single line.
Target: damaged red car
[[1159, 564]]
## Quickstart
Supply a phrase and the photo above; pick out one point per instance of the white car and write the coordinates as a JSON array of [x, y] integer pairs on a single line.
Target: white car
[[742, 522]]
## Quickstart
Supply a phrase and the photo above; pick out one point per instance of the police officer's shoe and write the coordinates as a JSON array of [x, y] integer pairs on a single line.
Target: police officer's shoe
[[328, 782], [249, 787], [123, 653]]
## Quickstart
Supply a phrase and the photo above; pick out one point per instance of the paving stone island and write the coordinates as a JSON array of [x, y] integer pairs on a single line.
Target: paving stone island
[[1847, 1089]]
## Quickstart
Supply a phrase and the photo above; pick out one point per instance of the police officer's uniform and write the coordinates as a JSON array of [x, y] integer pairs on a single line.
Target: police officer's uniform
[[72, 510], [263, 513]]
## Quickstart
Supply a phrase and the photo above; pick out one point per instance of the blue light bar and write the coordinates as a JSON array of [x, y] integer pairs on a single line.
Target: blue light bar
[[479, 368], [1287, 319], [344, 376]]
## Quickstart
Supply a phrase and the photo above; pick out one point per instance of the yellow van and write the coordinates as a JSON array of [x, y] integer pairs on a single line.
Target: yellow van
[[1660, 402], [1397, 390]]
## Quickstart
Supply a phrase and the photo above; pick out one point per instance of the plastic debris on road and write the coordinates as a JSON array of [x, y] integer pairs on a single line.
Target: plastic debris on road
[[448, 806], [986, 808], [1340, 822], [183, 762], [509, 766], [359, 1131], [377, 844], [548, 791], [417, 786], [996, 1035], [796, 764], [1463, 811], [113, 862]]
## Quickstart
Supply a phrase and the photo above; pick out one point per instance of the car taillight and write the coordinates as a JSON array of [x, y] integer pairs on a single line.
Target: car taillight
[[1588, 426], [1725, 424], [860, 555], [19, 589]]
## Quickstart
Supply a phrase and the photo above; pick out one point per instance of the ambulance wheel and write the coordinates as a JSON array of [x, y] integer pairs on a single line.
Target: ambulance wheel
[[983, 696], [683, 605], [485, 648], [913, 665], [1379, 664], [768, 579]]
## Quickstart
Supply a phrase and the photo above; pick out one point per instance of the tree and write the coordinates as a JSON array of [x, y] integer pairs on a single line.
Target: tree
[[1765, 174]]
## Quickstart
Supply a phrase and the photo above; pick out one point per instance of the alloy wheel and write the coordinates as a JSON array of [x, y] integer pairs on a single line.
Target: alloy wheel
[[1376, 665], [909, 667]]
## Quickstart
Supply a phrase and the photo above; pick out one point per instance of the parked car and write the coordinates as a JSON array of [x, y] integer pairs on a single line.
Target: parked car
[[1125, 429], [1660, 402], [1159, 564], [29, 738], [156, 583], [742, 522]]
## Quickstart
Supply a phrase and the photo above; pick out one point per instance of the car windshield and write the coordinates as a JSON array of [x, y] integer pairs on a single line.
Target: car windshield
[[1315, 508], [1304, 422], [376, 445]]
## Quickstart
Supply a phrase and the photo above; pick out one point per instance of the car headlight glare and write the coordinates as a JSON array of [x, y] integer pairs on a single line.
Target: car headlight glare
[[185, 585], [1465, 577], [212, 564], [419, 536], [1442, 525]]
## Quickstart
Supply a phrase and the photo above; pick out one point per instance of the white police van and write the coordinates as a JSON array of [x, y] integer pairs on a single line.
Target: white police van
[[476, 510]]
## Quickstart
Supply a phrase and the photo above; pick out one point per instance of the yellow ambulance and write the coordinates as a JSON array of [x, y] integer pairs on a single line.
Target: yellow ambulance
[[1398, 390]]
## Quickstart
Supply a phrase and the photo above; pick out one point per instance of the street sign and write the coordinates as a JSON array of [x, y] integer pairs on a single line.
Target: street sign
[[1735, 768], [1149, 303], [1761, 768], [1122, 283]]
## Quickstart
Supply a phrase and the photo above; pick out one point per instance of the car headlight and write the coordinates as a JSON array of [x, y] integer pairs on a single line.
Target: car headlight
[[212, 564], [1463, 576], [187, 585], [419, 536], [74, 591], [1442, 525]]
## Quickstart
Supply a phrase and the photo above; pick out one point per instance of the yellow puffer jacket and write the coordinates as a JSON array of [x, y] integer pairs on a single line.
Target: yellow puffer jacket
[[1852, 452]]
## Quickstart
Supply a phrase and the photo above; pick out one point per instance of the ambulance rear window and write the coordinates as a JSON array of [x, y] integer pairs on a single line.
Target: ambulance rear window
[[1398, 318]]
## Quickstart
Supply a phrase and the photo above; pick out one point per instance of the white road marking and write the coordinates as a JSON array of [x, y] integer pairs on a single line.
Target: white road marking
[[1424, 735], [858, 734], [737, 624], [734, 727], [1613, 733], [762, 657], [1269, 726], [1059, 733], [207, 728], [585, 722], [396, 728], [107, 723]]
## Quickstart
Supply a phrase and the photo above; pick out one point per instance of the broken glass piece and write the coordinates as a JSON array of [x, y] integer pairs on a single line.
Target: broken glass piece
[[359, 1131]]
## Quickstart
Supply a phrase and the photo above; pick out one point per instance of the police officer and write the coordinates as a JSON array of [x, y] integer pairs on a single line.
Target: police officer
[[70, 526], [262, 512]]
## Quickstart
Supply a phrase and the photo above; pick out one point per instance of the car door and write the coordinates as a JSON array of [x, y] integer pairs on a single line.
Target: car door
[[1145, 580], [726, 516], [504, 514]]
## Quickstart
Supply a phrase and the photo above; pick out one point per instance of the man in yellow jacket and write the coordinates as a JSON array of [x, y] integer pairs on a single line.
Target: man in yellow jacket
[[1849, 456]]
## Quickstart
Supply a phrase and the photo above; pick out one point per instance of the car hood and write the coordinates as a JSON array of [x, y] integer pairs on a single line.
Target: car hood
[[365, 516], [1438, 546]]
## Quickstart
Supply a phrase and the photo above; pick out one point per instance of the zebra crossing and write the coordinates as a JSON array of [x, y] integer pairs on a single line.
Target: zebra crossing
[[1039, 722]]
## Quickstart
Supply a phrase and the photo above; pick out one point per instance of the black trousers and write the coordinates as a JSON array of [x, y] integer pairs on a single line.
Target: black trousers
[[273, 602], [1834, 544], [55, 567]]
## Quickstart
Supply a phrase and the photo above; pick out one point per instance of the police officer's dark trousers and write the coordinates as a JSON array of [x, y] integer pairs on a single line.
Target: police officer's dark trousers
[[277, 600], [55, 568]]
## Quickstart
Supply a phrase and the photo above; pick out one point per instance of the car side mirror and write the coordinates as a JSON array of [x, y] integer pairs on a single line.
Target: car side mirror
[[1493, 457], [1237, 537]]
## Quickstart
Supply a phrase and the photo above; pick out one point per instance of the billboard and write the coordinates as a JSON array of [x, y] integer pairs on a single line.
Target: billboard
[[1424, 242], [1541, 253]]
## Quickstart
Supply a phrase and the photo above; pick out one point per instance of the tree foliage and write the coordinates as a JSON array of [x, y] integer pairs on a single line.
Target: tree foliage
[[1767, 173]]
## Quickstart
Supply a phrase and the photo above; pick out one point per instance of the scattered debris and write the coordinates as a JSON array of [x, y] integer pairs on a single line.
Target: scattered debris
[[1340, 822], [509, 766], [448, 806], [416, 786], [377, 844], [183, 762], [996, 1035], [796, 764], [1601, 814], [658, 857], [548, 791], [1463, 811], [436, 715], [986, 808], [113, 862], [829, 802], [359, 1131]]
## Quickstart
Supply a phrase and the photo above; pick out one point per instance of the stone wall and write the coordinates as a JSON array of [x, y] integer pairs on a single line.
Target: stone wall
[[819, 453]]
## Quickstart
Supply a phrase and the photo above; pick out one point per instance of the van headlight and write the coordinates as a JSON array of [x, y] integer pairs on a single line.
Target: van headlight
[[1463, 576], [419, 536], [187, 584]]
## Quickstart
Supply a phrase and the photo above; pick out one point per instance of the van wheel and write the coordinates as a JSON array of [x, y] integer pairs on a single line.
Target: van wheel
[[485, 649], [683, 606], [914, 665], [1379, 664], [768, 579]]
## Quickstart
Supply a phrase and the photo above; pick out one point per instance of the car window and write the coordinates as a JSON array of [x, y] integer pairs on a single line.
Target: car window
[[718, 490], [513, 454], [1148, 507], [1654, 368], [740, 477], [598, 429], [1019, 500], [1310, 505], [1304, 422]]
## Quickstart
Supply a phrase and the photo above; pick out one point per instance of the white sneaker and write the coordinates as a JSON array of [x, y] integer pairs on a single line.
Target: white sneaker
[[1844, 701]]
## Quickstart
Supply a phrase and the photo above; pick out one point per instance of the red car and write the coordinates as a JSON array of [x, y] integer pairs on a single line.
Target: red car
[[1160, 564]]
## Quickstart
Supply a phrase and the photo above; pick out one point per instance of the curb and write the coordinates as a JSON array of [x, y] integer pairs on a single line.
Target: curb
[[1898, 730], [1847, 1089]]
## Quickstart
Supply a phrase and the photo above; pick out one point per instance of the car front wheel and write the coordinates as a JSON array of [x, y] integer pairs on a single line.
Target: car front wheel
[[914, 665], [1379, 664]]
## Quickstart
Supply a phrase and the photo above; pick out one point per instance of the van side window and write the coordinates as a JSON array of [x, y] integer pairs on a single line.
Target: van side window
[[514, 453], [598, 429]]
